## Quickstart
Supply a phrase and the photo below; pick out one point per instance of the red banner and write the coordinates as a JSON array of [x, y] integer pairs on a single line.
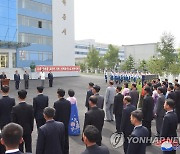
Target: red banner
[[58, 68]]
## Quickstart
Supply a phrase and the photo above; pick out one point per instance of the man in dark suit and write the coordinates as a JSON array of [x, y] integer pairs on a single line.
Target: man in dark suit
[[63, 112], [17, 79], [134, 95], [39, 103], [51, 139], [90, 137], [50, 77], [170, 122], [2, 76], [126, 126], [159, 110], [12, 137], [89, 93], [177, 101], [147, 110], [139, 132], [100, 99], [118, 107], [171, 94], [26, 80], [23, 115], [6, 105], [95, 116]]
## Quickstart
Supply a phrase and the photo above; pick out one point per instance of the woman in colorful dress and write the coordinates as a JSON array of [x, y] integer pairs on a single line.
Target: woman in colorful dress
[[74, 126]]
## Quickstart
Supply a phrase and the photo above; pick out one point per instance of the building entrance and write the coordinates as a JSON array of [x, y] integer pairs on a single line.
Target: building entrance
[[3, 60]]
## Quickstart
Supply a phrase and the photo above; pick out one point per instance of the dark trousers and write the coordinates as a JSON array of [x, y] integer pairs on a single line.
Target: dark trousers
[[40, 122], [159, 121], [50, 83], [147, 124], [17, 85], [66, 145], [125, 145], [118, 121], [26, 84], [28, 143], [169, 152]]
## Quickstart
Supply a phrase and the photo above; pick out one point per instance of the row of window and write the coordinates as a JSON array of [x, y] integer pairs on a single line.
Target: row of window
[[35, 6], [87, 47], [37, 39], [39, 56], [34, 22]]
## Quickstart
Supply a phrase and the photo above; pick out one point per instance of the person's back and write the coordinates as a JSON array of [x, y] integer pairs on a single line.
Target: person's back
[[110, 93], [140, 147], [100, 102], [90, 138], [51, 136], [39, 103], [63, 111], [95, 149], [22, 114], [6, 105], [134, 96]]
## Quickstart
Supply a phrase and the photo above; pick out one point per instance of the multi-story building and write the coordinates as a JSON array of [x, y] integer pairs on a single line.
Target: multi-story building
[[48, 27], [138, 51], [82, 48]]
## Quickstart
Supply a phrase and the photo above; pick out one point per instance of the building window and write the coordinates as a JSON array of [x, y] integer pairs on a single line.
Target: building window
[[37, 39], [39, 24]]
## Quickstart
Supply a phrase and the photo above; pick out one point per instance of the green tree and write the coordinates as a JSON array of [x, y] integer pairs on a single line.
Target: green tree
[[93, 58], [156, 66], [129, 64], [112, 56], [142, 65], [166, 49], [102, 63], [174, 68]]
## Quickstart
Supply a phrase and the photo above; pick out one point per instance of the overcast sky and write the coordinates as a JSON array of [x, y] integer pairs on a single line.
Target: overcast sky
[[126, 21]]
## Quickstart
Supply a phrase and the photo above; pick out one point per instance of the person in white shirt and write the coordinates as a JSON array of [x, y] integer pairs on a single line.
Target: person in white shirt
[[42, 77]]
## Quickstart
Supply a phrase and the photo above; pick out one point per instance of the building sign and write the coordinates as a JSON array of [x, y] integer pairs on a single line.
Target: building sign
[[58, 68]]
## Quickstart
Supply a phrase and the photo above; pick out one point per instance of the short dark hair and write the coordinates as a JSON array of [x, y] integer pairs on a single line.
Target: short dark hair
[[166, 79], [155, 86], [12, 134], [49, 112], [71, 93], [171, 87], [93, 99], [147, 89], [61, 92], [5, 89], [91, 132], [176, 80], [22, 94], [111, 82], [97, 88], [137, 114], [40, 89], [134, 85], [126, 85], [128, 98], [91, 84], [119, 88], [170, 102], [158, 79], [161, 89]]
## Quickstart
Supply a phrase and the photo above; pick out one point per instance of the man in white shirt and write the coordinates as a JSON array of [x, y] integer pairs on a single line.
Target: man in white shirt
[[12, 137], [42, 77]]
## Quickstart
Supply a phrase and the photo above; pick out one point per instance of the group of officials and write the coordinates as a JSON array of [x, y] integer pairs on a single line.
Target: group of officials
[[17, 121], [159, 101], [17, 78]]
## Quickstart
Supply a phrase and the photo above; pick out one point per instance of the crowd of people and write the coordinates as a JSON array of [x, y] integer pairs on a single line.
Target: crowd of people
[[133, 112]]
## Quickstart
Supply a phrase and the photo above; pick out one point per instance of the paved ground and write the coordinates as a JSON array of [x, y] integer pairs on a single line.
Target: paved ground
[[79, 84]]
